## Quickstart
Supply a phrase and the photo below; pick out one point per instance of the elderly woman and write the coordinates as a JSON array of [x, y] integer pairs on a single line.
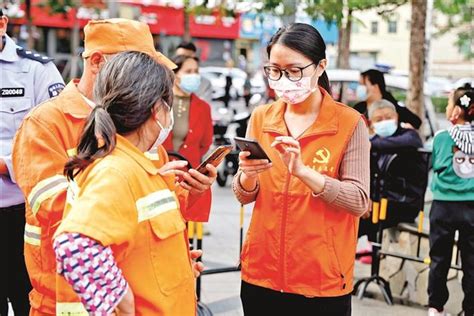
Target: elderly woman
[[122, 245]]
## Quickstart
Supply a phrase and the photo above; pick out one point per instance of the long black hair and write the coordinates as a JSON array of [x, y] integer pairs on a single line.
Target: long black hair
[[306, 40], [126, 91]]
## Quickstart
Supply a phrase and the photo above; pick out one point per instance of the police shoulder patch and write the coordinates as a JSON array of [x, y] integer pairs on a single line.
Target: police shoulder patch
[[55, 89], [33, 55]]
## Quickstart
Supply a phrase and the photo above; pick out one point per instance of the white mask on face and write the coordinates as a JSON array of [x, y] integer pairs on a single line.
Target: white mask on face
[[293, 92], [164, 132]]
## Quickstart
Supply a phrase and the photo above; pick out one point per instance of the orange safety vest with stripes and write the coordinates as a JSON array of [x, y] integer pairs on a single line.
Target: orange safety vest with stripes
[[124, 203], [296, 242]]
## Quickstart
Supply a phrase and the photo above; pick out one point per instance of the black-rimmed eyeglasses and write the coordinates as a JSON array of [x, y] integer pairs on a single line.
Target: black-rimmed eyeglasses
[[274, 73]]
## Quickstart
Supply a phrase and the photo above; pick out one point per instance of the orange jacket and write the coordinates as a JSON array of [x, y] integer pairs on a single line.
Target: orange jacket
[[296, 242], [46, 139], [123, 202]]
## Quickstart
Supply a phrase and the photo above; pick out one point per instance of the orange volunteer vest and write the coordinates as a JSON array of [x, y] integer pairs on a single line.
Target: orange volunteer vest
[[297, 243]]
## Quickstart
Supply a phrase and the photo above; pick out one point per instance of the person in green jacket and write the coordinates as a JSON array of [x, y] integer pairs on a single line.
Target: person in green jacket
[[453, 202]]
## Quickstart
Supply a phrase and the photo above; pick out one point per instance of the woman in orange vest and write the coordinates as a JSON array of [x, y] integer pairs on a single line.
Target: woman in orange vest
[[298, 257], [122, 244]]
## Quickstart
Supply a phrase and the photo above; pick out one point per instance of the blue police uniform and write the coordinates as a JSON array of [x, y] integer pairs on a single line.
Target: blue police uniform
[[27, 79]]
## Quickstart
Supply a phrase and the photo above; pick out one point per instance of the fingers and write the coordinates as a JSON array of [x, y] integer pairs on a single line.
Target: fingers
[[195, 253], [198, 267]]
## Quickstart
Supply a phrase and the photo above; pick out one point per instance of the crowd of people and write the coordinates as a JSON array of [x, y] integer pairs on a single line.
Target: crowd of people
[[94, 212]]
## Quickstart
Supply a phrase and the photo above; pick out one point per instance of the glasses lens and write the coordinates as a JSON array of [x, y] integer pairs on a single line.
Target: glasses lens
[[273, 73], [294, 74]]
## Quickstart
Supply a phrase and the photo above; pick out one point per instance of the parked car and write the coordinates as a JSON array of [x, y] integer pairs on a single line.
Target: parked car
[[344, 83], [217, 76]]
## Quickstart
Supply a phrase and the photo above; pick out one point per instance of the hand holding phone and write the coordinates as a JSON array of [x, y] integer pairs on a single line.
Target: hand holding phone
[[215, 158], [252, 146]]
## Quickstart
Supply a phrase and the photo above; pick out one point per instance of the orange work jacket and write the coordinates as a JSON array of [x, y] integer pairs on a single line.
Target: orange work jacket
[[123, 202], [46, 139], [296, 242]]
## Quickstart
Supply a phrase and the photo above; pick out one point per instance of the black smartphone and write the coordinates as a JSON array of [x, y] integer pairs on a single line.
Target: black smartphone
[[251, 145], [215, 158]]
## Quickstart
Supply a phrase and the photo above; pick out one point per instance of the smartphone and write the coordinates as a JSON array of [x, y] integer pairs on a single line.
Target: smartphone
[[251, 145], [215, 158]]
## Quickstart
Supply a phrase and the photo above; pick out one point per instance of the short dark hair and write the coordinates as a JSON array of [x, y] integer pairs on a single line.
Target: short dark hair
[[188, 46], [180, 59], [375, 77]]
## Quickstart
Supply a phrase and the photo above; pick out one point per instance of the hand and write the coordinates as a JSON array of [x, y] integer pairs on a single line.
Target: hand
[[126, 307], [252, 167], [407, 125], [177, 167], [198, 266], [196, 182], [368, 213], [290, 153]]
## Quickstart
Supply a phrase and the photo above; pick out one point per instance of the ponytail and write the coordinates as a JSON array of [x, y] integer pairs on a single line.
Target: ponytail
[[97, 140], [324, 82]]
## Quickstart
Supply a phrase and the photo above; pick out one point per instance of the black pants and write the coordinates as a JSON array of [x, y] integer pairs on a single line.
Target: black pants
[[445, 219], [255, 299], [14, 282]]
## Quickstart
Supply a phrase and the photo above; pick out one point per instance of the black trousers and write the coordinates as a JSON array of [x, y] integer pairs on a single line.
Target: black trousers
[[14, 281], [255, 299], [445, 219]]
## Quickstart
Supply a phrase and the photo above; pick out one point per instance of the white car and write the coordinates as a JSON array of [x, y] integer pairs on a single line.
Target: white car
[[217, 76], [344, 84]]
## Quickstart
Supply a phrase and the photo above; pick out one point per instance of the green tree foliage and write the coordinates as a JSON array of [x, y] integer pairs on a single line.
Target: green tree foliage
[[459, 14]]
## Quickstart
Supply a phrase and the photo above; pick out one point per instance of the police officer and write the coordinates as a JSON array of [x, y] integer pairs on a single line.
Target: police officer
[[27, 80]]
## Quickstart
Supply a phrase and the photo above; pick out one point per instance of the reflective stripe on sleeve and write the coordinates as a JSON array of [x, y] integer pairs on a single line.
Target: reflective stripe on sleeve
[[70, 309], [156, 203], [46, 189], [32, 235]]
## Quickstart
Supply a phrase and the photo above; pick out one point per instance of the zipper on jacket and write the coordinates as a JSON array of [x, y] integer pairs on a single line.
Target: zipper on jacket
[[283, 226], [343, 282]]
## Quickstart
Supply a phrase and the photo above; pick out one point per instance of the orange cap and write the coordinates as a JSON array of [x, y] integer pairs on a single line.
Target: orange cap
[[118, 35]]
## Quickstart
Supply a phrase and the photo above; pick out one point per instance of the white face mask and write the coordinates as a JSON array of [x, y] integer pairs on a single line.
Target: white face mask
[[164, 132], [293, 92]]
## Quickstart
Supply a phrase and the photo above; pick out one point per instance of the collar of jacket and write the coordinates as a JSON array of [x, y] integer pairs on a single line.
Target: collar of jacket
[[76, 106], [124, 146], [8, 53], [326, 122]]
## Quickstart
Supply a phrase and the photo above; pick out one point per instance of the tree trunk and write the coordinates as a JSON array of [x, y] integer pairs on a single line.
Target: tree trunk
[[74, 47], [187, 33], [415, 95], [345, 42], [30, 43], [289, 12]]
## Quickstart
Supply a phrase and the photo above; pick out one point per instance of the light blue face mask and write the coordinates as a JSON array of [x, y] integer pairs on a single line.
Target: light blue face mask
[[190, 82], [385, 128]]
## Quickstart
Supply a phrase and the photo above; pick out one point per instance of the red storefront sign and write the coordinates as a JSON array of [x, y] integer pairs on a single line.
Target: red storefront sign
[[162, 20], [214, 26]]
